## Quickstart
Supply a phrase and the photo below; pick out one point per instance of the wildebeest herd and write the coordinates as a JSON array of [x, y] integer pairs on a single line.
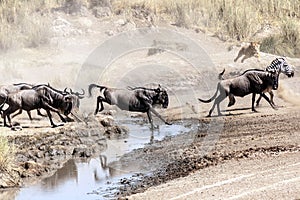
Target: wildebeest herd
[[28, 97]]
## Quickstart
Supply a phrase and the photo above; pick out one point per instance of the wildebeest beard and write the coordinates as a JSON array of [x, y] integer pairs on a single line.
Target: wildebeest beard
[[69, 108], [161, 99]]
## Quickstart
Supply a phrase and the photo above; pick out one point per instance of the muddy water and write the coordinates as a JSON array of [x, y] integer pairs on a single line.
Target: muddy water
[[93, 179]]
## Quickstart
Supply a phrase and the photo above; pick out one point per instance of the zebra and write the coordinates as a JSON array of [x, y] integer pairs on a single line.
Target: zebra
[[278, 65]]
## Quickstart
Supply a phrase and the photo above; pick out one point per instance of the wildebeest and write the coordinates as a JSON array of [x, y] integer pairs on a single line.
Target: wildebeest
[[251, 81], [9, 89], [40, 96], [138, 99], [74, 96]]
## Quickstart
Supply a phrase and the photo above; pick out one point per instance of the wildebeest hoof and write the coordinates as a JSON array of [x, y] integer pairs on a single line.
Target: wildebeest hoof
[[275, 107], [16, 128]]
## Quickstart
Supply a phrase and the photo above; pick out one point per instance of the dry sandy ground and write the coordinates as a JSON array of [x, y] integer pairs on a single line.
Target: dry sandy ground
[[251, 155], [275, 177]]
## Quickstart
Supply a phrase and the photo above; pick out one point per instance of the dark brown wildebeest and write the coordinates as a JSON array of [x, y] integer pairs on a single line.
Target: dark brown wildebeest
[[38, 97], [138, 99], [251, 81]]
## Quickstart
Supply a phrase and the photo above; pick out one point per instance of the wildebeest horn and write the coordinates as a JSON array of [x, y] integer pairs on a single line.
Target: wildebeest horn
[[65, 90], [83, 92]]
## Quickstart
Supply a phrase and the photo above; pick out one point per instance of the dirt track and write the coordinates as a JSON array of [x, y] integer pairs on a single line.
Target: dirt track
[[252, 152]]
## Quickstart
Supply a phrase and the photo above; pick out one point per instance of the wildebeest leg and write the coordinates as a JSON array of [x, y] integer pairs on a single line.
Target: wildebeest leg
[[6, 114], [258, 100], [29, 115], [62, 118], [150, 119], [99, 101], [18, 113], [40, 114], [9, 121], [253, 101], [50, 118], [152, 127], [159, 116], [49, 108], [217, 102], [268, 100], [231, 100], [271, 97]]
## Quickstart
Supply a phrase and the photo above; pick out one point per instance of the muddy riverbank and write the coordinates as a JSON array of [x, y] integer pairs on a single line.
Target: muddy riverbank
[[41, 150]]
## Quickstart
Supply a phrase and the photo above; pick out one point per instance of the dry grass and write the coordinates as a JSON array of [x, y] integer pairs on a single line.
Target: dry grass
[[23, 23], [7, 155], [239, 20], [285, 43]]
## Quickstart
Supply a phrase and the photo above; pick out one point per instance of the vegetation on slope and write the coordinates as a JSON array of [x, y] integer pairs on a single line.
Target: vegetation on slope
[[25, 23]]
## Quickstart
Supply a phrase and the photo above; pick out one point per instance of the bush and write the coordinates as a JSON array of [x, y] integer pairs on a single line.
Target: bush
[[285, 43], [22, 24]]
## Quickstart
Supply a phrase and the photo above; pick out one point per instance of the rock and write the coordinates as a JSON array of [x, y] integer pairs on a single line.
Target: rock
[[100, 12], [107, 121], [120, 22], [110, 33], [82, 152]]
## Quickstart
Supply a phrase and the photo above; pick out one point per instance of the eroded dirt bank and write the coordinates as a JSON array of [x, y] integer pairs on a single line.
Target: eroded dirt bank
[[41, 150]]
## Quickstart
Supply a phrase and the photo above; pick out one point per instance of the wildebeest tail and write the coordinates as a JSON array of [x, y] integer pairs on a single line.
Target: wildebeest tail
[[221, 75], [212, 98], [91, 86]]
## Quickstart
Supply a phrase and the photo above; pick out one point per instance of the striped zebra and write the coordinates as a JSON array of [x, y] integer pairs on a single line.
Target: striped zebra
[[278, 65]]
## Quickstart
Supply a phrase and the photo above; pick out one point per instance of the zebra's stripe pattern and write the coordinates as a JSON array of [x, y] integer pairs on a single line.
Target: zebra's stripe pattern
[[280, 65]]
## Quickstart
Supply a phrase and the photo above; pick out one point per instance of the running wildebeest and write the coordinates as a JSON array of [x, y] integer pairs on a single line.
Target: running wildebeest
[[74, 96], [138, 99], [38, 97], [251, 81], [9, 89]]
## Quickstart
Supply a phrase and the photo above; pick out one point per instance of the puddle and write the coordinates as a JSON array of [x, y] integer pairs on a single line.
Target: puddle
[[91, 180]]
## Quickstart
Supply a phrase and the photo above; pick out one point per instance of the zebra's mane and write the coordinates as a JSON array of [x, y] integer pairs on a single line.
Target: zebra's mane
[[277, 66]]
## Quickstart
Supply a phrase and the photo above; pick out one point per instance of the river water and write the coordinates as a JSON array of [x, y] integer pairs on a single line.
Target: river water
[[92, 179]]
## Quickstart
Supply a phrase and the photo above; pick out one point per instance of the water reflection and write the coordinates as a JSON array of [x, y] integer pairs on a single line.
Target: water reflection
[[81, 179], [62, 175]]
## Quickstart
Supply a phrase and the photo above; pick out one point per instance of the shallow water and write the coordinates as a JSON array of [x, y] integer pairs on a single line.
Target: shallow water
[[93, 179]]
